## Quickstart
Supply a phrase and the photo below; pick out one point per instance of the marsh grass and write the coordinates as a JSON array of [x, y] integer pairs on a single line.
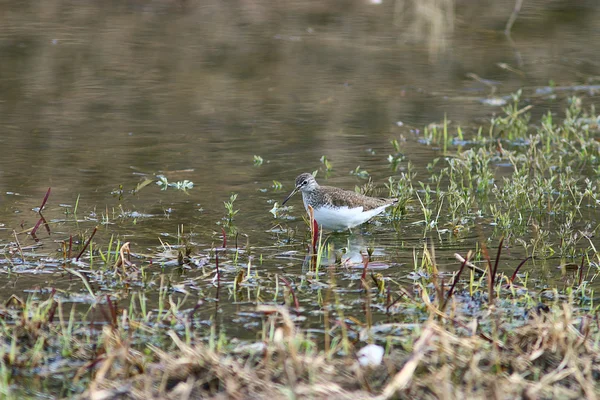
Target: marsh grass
[[547, 193], [484, 335], [549, 351], [483, 326]]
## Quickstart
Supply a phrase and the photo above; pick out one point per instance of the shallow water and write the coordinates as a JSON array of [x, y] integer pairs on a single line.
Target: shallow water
[[98, 96]]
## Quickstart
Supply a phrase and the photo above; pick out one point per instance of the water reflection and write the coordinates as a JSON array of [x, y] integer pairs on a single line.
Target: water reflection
[[97, 97], [350, 251]]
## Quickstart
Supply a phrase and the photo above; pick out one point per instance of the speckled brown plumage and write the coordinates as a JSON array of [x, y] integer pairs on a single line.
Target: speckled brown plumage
[[317, 195], [336, 197], [337, 208]]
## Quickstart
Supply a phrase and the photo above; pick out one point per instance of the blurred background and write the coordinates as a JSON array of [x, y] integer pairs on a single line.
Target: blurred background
[[96, 96]]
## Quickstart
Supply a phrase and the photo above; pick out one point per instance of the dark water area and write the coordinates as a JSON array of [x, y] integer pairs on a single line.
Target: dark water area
[[98, 96]]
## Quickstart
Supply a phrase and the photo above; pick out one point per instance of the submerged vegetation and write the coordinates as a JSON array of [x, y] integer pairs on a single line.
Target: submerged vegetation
[[190, 320]]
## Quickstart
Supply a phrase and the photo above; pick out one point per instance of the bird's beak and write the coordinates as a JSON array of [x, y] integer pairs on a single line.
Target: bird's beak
[[290, 196]]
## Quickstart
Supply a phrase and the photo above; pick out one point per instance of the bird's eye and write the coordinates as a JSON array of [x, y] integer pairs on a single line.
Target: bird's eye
[[304, 183]]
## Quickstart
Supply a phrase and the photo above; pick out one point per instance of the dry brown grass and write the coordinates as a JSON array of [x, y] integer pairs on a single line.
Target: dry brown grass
[[554, 355]]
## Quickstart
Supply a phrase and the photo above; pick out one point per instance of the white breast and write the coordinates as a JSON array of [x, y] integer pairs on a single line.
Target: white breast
[[342, 218]]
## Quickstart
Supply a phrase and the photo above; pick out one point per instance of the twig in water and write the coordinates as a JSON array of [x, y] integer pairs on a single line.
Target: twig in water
[[42, 219], [471, 266], [492, 269], [456, 278], [19, 247], [513, 17], [122, 260], [224, 238], [289, 286], [514, 275], [365, 259], [45, 200], [86, 244]]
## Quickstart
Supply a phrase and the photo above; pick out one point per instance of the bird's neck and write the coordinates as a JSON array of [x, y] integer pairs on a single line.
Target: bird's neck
[[308, 198]]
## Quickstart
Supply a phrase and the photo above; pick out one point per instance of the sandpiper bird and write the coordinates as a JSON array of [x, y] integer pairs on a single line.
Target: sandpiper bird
[[335, 208]]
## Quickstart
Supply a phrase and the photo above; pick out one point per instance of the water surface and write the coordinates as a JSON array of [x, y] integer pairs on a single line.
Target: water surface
[[98, 97]]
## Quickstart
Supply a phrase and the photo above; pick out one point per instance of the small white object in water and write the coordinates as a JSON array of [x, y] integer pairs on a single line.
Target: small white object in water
[[494, 101], [370, 356]]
